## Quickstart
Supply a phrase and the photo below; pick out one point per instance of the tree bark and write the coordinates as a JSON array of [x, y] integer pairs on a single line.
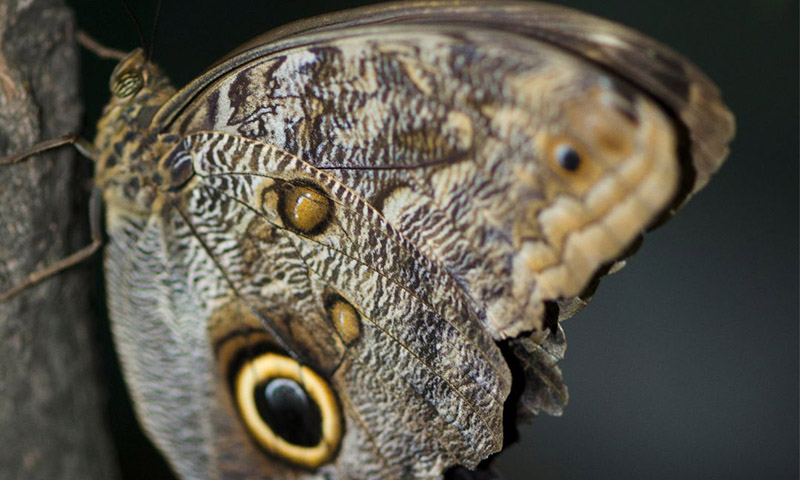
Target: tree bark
[[52, 409]]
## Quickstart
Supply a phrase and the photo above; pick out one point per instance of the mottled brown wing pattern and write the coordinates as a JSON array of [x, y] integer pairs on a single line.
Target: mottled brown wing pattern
[[686, 92], [319, 247], [443, 367], [485, 114]]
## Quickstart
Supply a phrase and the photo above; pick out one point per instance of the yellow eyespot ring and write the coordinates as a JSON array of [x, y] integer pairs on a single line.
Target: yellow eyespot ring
[[271, 366]]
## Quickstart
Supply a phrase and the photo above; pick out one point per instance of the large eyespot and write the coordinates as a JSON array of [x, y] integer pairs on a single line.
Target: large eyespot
[[288, 409], [127, 83], [304, 208]]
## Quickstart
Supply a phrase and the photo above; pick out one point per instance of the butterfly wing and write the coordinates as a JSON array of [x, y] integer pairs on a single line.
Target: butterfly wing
[[373, 203], [686, 92], [455, 138], [415, 349]]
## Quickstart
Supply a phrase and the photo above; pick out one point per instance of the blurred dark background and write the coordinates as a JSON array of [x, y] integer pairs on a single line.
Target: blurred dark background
[[685, 365]]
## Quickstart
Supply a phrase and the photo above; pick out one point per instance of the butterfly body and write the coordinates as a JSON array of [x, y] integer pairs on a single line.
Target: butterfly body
[[338, 227]]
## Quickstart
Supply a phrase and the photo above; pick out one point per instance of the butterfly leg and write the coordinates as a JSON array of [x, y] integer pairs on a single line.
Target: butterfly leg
[[95, 206], [84, 147]]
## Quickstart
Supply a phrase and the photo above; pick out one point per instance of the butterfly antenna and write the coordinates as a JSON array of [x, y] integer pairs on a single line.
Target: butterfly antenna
[[89, 43], [135, 23], [154, 31]]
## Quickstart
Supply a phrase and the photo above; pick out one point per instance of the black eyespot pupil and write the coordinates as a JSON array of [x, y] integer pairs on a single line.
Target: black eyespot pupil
[[289, 411], [568, 158]]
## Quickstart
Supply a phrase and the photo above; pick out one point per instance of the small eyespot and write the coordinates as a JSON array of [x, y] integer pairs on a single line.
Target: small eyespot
[[288, 409], [345, 319], [304, 208], [127, 83], [567, 157], [178, 169]]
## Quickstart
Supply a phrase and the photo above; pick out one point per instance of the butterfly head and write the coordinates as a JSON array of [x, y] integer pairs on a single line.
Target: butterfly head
[[127, 148]]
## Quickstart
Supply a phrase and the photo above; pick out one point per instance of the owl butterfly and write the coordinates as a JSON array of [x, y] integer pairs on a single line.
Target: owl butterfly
[[344, 250]]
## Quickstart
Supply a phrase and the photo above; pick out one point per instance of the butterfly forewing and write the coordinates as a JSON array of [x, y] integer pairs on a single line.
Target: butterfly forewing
[[444, 367], [452, 137]]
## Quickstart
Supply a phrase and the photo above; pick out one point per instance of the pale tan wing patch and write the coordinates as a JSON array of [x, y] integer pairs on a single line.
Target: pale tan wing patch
[[592, 220]]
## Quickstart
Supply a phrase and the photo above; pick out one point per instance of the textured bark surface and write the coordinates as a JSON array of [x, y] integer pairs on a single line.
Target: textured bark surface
[[51, 407]]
